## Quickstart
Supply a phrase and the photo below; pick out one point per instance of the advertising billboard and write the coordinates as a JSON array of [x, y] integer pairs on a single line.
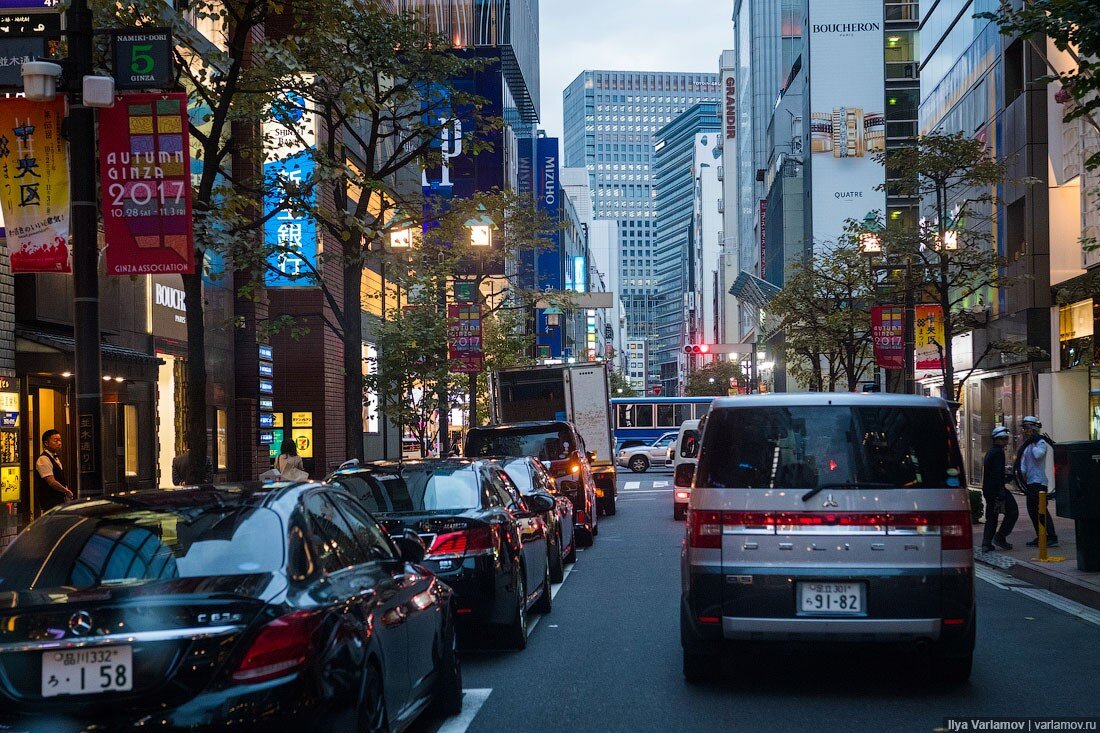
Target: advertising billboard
[[847, 123], [549, 267], [290, 235]]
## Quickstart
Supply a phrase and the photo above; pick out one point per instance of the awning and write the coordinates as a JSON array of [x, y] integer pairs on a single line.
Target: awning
[[43, 352], [753, 290]]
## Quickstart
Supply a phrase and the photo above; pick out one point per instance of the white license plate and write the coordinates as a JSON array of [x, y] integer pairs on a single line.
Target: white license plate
[[837, 599], [87, 671]]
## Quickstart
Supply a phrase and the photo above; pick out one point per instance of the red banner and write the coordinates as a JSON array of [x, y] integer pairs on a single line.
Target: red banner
[[888, 333], [464, 338], [145, 182], [929, 337]]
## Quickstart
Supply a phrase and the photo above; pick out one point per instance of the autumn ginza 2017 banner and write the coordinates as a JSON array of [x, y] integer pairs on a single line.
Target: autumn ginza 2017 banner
[[145, 184], [34, 185]]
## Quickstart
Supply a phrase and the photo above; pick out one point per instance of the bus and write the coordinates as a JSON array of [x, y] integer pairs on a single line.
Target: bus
[[641, 420]]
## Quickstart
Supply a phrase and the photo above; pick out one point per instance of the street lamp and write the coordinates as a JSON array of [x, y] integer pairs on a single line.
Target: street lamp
[[870, 239], [553, 317], [870, 244], [481, 228]]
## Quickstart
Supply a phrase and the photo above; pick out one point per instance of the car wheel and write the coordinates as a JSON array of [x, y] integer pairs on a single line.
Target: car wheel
[[609, 505], [448, 685], [516, 635], [701, 667], [952, 671], [679, 512], [372, 708], [555, 562], [583, 537], [545, 603], [572, 556], [639, 464]]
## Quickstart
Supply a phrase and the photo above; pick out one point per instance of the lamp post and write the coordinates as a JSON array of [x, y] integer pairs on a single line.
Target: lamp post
[[871, 245], [482, 228]]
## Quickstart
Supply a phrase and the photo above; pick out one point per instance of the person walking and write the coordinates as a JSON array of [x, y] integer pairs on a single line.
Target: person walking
[[289, 463], [1031, 474], [998, 499], [50, 486]]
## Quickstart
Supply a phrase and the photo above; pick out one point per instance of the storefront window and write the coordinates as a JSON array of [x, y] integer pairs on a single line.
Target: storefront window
[[223, 440], [370, 402], [1075, 334], [130, 438]]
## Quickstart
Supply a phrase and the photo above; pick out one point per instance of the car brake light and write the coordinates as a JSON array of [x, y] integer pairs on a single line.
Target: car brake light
[[682, 495], [471, 541], [281, 647], [955, 531], [705, 529]]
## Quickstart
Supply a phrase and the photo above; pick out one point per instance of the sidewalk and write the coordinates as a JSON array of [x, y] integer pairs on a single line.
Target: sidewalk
[[1022, 562]]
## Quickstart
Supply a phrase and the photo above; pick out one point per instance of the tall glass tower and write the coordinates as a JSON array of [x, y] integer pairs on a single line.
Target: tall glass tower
[[610, 118]]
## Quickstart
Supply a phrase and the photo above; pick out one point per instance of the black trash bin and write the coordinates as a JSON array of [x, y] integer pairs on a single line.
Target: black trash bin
[[1077, 483]]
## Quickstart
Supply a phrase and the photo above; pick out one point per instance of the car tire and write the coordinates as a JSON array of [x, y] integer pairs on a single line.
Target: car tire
[[448, 686], [638, 464], [952, 671], [545, 603], [583, 537], [516, 634], [701, 667], [609, 505], [555, 562], [572, 556], [373, 717], [679, 512]]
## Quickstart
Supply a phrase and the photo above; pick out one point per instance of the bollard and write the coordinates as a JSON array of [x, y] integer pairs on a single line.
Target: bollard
[[1043, 557]]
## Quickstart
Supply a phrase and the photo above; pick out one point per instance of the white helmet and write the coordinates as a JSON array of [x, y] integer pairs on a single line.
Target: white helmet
[[1000, 432], [1031, 420]]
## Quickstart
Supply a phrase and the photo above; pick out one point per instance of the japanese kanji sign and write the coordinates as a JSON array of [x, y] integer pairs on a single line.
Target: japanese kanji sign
[[145, 179], [464, 338], [929, 333], [888, 334], [34, 184], [290, 232]]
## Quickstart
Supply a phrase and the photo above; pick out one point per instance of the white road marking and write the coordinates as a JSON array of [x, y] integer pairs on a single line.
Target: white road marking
[[659, 484], [632, 485], [651, 491], [1007, 582], [472, 700]]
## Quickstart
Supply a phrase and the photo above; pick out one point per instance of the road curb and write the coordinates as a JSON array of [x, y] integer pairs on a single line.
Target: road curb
[[1040, 578]]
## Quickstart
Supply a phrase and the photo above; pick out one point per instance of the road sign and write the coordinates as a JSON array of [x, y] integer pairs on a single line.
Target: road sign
[[30, 6], [143, 59], [23, 38]]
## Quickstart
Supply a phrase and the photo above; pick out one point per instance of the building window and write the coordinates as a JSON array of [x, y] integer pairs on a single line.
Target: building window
[[1075, 334], [130, 439], [223, 440]]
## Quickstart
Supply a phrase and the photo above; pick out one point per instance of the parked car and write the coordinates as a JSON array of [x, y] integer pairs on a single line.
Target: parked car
[[219, 607], [483, 538], [639, 458], [685, 449], [840, 517], [531, 477], [560, 448]]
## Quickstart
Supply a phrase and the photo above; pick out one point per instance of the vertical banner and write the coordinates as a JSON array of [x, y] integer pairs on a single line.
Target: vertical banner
[[145, 183], [929, 336], [847, 124], [34, 184], [290, 235], [763, 237], [464, 338], [888, 335], [549, 265]]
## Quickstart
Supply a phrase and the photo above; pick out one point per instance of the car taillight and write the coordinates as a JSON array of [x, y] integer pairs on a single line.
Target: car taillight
[[280, 648], [466, 542], [682, 495], [705, 529], [955, 531]]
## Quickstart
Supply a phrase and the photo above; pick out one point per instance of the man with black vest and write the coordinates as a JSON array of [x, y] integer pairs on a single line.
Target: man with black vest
[[49, 475]]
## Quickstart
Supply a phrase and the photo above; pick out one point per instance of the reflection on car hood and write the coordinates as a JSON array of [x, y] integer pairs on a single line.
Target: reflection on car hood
[[261, 586]]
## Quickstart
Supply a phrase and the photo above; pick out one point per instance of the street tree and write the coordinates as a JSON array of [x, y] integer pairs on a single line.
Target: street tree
[[711, 379], [620, 385], [948, 252]]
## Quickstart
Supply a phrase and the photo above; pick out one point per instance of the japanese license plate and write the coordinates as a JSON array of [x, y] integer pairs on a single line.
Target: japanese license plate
[[836, 599], [87, 671]]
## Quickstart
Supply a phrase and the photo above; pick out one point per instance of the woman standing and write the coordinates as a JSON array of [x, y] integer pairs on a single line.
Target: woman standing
[[289, 463]]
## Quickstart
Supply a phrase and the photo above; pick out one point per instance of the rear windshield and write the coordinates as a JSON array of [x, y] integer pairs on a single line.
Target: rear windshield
[[378, 492], [807, 447], [520, 474], [442, 487], [547, 443], [68, 548]]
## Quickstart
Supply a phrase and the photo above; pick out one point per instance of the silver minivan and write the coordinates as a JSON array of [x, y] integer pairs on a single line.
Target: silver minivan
[[828, 517]]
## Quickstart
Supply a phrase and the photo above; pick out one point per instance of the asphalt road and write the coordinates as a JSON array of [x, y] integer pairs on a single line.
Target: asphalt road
[[608, 657]]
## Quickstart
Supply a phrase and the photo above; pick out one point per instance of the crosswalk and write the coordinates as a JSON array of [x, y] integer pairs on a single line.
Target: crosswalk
[[645, 486]]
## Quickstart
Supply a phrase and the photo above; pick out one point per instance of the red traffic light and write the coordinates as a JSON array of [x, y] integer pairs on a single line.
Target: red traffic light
[[697, 349]]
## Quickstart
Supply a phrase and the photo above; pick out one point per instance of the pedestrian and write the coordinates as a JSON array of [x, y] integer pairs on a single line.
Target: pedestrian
[[289, 463], [1031, 474], [181, 465], [50, 486], [998, 499]]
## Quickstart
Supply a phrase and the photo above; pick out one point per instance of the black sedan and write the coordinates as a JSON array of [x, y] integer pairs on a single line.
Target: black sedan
[[531, 477], [484, 539], [232, 607]]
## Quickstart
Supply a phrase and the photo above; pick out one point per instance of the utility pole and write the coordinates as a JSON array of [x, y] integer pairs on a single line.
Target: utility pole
[[82, 167]]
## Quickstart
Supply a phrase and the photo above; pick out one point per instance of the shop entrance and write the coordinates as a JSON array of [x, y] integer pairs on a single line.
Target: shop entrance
[[49, 407]]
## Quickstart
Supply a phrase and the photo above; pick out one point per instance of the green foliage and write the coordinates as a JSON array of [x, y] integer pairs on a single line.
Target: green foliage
[[620, 385], [712, 379]]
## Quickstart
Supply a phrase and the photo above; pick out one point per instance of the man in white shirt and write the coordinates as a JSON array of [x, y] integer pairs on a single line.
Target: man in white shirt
[[49, 474], [1031, 474]]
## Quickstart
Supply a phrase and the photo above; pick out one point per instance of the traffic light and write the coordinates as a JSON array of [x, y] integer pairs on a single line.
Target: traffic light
[[696, 349]]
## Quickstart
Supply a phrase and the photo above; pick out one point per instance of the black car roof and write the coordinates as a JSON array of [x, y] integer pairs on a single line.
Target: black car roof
[[524, 424], [233, 495]]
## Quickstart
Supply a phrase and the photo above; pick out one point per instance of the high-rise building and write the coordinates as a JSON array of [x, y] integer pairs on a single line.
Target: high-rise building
[[610, 119], [686, 158]]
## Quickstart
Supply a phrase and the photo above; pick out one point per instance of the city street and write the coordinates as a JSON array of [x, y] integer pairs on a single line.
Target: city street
[[608, 657]]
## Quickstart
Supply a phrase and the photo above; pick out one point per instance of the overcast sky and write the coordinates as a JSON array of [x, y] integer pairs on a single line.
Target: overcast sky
[[628, 35]]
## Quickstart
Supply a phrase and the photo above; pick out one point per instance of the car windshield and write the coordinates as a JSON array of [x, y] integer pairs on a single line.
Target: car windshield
[[87, 549], [520, 473], [547, 443], [378, 492], [438, 487], [807, 447]]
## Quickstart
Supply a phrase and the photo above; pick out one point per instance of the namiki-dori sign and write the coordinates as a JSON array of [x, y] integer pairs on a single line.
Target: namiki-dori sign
[[145, 179], [34, 185]]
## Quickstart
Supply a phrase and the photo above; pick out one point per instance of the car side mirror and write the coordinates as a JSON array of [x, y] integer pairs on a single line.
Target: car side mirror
[[685, 474], [411, 547], [540, 502], [591, 455], [568, 487], [546, 464]]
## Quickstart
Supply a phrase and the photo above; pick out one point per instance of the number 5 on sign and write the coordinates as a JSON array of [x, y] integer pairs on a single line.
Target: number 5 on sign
[[141, 58]]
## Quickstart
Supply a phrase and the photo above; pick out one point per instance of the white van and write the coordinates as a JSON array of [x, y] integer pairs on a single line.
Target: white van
[[685, 450]]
